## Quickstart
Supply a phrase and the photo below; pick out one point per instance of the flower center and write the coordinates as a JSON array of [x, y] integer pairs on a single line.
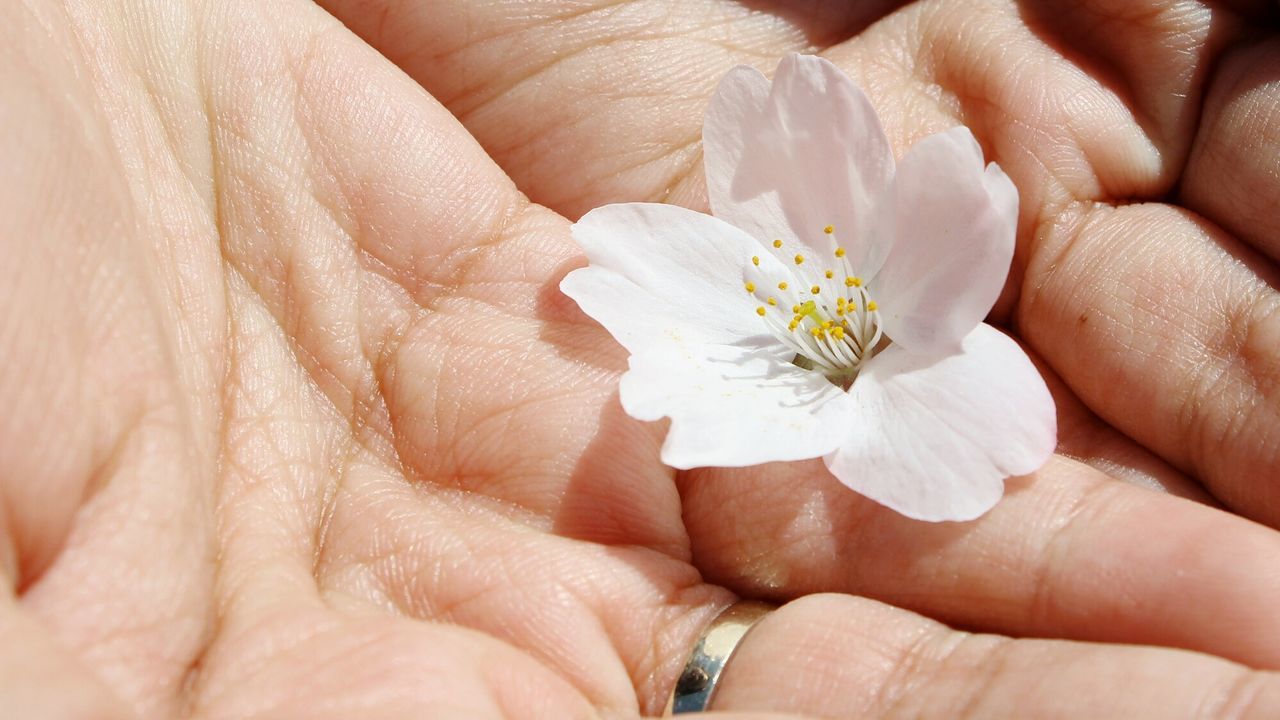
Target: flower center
[[825, 314]]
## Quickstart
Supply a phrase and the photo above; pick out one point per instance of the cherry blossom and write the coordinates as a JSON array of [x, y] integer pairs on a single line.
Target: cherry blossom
[[832, 304]]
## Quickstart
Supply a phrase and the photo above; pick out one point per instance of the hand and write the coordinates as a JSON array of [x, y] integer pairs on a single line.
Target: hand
[[1159, 320], [298, 426]]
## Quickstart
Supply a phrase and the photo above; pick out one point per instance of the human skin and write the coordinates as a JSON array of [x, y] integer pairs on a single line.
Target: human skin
[[297, 424]]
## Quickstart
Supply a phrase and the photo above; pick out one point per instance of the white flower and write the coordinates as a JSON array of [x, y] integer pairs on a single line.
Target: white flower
[[832, 307]]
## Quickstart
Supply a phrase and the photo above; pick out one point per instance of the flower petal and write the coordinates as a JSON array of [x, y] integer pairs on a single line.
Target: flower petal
[[786, 161], [660, 273], [935, 438], [955, 225], [734, 405]]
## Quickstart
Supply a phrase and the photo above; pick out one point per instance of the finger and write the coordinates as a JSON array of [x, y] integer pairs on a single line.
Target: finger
[[623, 85], [1067, 553], [1168, 329], [843, 657], [1102, 295], [1231, 176], [631, 102], [1083, 436]]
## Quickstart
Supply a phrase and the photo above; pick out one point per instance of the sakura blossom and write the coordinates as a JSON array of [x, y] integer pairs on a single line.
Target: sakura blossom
[[831, 305]]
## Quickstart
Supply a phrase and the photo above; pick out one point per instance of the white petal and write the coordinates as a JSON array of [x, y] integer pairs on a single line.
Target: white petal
[[786, 161], [733, 406], [934, 439], [955, 226], [660, 273]]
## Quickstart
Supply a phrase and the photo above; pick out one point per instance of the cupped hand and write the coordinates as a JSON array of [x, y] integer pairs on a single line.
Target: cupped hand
[[298, 425], [1139, 135]]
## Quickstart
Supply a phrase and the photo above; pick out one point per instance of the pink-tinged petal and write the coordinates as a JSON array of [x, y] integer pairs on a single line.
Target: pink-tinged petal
[[955, 225], [934, 439], [660, 273], [734, 405], [786, 160]]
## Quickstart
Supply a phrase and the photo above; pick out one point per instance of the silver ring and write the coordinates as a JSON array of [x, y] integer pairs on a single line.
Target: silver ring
[[697, 684]]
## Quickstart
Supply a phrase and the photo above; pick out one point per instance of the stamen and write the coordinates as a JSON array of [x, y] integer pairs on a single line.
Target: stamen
[[839, 335], [839, 349]]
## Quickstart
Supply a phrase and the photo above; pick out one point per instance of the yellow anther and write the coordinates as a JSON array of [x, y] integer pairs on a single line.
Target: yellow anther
[[830, 274], [760, 311], [840, 311], [829, 229], [795, 309], [793, 325], [840, 302], [799, 259], [815, 289], [771, 301], [839, 252], [782, 286], [838, 333], [755, 259], [817, 332], [853, 282], [750, 286], [777, 243], [826, 325], [872, 306]]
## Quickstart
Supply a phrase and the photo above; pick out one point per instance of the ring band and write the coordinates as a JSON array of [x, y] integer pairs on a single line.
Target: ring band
[[697, 684]]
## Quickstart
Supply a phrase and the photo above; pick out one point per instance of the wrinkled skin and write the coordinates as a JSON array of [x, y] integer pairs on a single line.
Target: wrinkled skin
[[297, 425]]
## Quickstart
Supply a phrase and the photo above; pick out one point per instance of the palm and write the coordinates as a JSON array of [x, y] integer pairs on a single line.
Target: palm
[[312, 385]]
